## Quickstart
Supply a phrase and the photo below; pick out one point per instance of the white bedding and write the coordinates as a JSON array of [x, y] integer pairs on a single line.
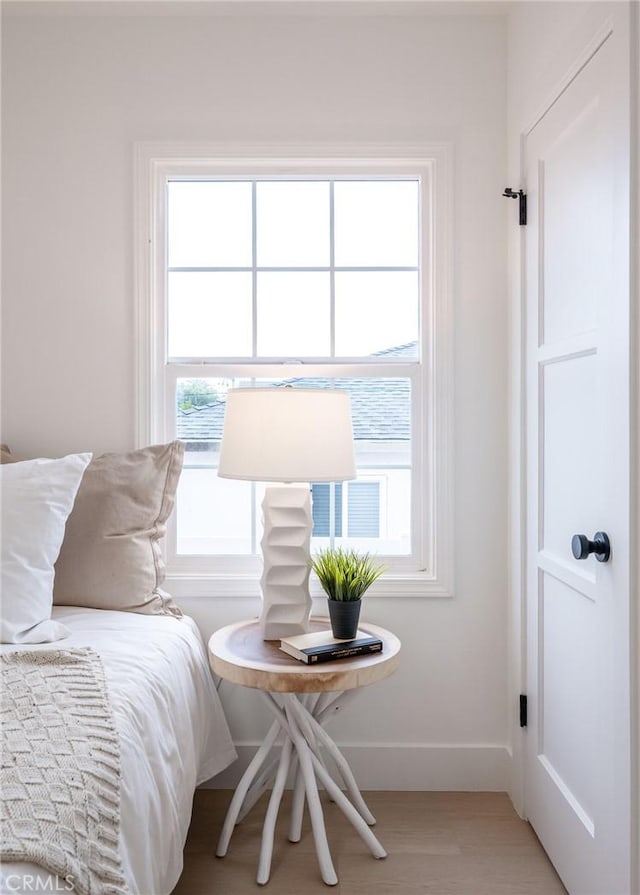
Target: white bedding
[[173, 735]]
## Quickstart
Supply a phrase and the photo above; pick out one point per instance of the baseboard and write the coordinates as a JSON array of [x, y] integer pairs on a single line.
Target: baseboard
[[467, 768]]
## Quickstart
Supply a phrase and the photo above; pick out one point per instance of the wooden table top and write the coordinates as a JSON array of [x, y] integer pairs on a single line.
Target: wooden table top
[[238, 653]]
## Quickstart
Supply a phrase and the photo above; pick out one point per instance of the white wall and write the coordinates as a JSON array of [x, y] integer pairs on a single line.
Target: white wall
[[78, 91]]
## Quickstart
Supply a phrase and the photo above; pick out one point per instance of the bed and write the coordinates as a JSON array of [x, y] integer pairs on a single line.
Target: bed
[[172, 733], [110, 718]]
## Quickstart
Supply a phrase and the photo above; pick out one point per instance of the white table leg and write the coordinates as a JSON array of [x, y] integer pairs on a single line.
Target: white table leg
[[309, 701], [297, 808], [348, 810], [258, 788], [327, 709], [305, 719], [243, 787], [305, 733], [343, 767], [305, 757], [324, 699], [266, 848], [295, 710]]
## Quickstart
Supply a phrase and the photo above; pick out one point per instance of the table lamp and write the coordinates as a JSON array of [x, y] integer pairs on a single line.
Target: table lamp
[[287, 435]]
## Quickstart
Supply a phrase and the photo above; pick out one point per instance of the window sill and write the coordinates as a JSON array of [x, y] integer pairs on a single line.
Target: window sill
[[413, 585]]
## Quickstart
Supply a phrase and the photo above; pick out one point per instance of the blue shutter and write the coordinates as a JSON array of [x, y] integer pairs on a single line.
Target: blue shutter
[[320, 510], [364, 510]]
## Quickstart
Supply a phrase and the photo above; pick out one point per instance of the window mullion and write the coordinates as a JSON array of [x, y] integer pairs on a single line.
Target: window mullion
[[254, 338], [254, 269], [332, 272], [332, 513], [254, 520]]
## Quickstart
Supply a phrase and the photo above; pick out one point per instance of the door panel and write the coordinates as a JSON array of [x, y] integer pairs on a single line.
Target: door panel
[[567, 644], [573, 229], [578, 410], [569, 454]]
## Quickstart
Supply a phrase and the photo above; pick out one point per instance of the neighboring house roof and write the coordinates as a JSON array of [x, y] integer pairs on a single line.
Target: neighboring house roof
[[380, 408], [202, 423]]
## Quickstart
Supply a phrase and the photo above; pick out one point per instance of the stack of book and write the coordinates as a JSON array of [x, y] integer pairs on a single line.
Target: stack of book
[[322, 646]]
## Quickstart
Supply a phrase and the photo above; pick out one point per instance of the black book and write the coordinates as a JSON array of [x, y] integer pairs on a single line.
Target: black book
[[322, 646]]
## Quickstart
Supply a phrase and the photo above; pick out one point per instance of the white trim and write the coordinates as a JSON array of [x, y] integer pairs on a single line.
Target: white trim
[[153, 163], [634, 36], [226, 586], [518, 527], [418, 767]]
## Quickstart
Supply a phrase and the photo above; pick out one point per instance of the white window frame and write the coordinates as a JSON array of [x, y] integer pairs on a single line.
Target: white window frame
[[432, 423]]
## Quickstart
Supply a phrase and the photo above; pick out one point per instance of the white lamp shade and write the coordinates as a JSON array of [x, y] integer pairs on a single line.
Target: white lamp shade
[[287, 435]]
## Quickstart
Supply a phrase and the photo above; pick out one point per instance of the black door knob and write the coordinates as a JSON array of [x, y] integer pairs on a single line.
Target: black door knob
[[581, 546]]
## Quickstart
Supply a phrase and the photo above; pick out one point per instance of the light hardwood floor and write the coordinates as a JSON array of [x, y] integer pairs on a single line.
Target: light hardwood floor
[[441, 843]]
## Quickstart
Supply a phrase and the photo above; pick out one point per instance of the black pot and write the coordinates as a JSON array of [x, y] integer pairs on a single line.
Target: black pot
[[344, 615]]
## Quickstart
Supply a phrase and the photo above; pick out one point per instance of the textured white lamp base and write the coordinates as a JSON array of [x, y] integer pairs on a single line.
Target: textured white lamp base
[[286, 602]]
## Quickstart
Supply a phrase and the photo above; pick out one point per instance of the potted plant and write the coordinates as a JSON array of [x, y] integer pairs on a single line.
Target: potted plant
[[345, 575]]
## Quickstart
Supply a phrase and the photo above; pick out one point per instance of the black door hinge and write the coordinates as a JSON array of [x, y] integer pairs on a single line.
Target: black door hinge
[[522, 203], [523, 710]]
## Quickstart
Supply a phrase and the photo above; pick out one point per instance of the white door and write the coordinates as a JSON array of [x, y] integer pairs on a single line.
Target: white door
[[577, 294]]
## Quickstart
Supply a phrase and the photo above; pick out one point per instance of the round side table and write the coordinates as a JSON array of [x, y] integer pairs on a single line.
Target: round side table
[[302, 699]]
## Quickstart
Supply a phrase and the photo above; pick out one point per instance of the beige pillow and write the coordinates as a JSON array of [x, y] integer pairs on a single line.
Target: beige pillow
[[6, 456], [110, 557]]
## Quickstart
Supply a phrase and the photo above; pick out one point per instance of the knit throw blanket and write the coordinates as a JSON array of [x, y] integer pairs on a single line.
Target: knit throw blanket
[[60, 772]]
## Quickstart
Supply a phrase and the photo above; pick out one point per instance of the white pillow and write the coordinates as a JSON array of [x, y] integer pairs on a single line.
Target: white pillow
[[36, 499]]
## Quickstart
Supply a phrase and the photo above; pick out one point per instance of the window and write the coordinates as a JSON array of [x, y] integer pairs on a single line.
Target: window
[[314, 274]]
